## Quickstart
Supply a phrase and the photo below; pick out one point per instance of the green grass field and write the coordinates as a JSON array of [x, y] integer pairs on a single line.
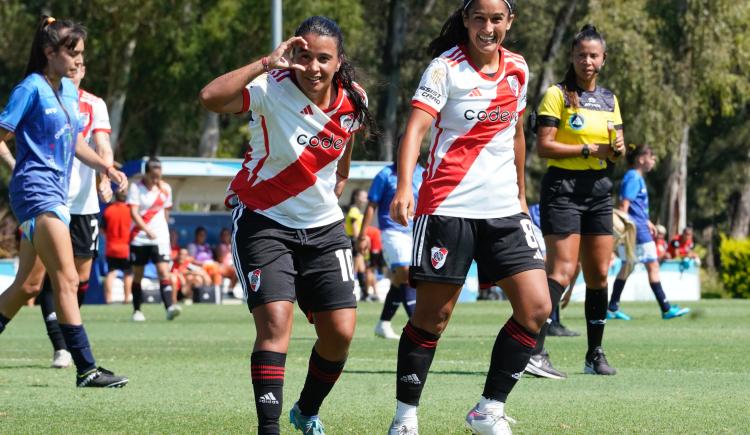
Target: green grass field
[[686, 375]]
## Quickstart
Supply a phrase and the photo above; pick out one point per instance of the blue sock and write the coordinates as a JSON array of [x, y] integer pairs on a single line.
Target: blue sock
[[79, 348], [617, 288], [660, 296], [3, 322], [392, 301], [555, 316], [409, 298]]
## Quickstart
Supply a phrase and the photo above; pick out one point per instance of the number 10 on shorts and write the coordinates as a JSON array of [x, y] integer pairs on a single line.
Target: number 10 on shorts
[[346, 264]]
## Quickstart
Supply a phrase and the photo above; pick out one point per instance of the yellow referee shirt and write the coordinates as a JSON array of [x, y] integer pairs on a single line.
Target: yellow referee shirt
[[585, 125]]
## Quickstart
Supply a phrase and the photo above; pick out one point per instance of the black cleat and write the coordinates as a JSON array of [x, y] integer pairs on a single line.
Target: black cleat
[[100, 378], [596, 363], [557, 329], [540, 366]]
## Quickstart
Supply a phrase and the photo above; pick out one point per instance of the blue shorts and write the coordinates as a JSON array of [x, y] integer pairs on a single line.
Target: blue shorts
[[28, 226]]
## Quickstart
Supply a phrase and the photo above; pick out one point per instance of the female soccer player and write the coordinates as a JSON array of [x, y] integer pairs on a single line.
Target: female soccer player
[[288, 232], [634, 201], [471, 206], [43, 114], [576, 120]]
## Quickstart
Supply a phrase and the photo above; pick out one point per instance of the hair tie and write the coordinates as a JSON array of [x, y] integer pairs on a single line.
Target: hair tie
[[50, 20]]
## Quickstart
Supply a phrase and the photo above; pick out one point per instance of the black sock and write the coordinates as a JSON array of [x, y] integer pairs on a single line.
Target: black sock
[[47, 304], [416, 349], [596, 316], [3, 323], [617, 288], [660, 296], [392, 301], [409, 298], [555, 293], [362, 280], [321, 377], [83, 287], [137, 295], [267, 373], [78, 345], [555, 316], [165, 288], [510, 355]]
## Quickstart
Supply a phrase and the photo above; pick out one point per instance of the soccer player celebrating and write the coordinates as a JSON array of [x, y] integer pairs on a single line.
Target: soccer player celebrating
[[288, 234], [634, 201], [580, 129], [397, 242], [471, 206], [150, 201], [43, 114]]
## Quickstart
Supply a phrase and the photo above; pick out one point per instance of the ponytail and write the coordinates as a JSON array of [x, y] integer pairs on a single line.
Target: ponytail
[[569, 84], [55, 34], [453, 33], [635, 151]]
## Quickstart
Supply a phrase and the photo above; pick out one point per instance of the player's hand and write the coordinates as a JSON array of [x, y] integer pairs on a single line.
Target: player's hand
[[283, 54], [402, 207], [600, 150], [363, 245], [119, 178], [105, 189], [150, 234], [652, 229]]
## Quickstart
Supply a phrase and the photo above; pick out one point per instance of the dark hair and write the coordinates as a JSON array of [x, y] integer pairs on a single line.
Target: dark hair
[[454, 32], [353, 197], [588, 33], [55, 34], [635, 151], [324, 26], [152, 163], [200, 228]]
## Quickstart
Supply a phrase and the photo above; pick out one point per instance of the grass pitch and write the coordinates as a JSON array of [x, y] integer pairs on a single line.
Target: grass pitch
[[685, 375]]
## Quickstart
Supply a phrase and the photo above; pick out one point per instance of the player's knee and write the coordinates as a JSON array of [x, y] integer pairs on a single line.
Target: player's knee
[[68, 283]]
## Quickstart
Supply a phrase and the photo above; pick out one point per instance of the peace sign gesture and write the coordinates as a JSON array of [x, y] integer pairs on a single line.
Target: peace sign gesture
[[282, 55]]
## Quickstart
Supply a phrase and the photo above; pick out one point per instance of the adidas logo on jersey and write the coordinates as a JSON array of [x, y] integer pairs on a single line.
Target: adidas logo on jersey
[[268, 399], [410, 379], [475, 93], [307, 110]]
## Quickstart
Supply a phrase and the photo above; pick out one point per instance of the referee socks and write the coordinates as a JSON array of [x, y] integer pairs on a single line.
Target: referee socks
[[555, 293], [267, 373], [596, 316]]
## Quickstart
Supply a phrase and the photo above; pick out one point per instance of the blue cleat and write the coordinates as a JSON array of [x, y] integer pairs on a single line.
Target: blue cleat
[[308, 425], [617, 315], [674, 311]]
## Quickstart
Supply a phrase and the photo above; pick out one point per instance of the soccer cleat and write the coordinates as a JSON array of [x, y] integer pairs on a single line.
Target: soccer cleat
[[406, 427], [100, 378], [138, 316], [540, 366], [557, 329], [308, 425], [488, 424], [597, 364], [61, 359], [674, 311], [173, 311], [384, 329], [617, 315]]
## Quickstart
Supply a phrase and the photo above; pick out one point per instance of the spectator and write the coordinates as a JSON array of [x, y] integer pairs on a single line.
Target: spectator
[[225, 260], [681, 245], [187, 276], [202, 255], [117, 223], [662, 247]]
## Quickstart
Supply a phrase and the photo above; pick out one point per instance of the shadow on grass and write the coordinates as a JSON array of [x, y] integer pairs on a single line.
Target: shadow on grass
[[432, 372]]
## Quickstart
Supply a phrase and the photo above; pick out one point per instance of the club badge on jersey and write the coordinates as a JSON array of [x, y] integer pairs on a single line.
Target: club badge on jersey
[[438, 257]]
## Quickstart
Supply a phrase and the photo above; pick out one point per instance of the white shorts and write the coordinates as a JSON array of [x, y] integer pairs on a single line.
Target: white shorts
[[396, 248], [645, 252]]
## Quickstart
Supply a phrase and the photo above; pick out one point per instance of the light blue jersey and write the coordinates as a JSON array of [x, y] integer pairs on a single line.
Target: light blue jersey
[[46, 133], [382, 191]]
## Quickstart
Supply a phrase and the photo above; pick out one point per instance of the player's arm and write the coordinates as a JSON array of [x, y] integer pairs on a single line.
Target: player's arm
[[91, 159], [362, 240], [402, 206], [104, 149], [140, 223], [624, 205], [5, 155], [342, 169], [224, 93], [548, 148], [519, 149]]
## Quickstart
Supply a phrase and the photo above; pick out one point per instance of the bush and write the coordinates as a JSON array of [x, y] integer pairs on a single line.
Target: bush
[[735, 266]]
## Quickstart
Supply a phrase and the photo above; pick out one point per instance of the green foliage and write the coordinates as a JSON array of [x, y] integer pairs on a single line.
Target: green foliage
[[735, 266]]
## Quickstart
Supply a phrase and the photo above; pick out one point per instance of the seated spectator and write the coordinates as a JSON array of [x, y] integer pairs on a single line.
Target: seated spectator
[[203, 255], [187, 276], [681, 245], [662, 247], [225, 260], [174, 244]]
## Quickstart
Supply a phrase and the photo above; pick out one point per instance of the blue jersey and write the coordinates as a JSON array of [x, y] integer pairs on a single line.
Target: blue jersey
[[46, 135], [382, 191], [633, 188]]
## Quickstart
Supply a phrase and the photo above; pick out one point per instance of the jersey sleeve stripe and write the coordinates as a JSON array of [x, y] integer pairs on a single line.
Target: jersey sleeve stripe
[[102, 130], [420, 105], [245, 101]]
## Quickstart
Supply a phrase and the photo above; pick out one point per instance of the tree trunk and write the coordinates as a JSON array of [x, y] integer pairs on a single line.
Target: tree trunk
[[209, 143], [119, 92], [740, 224], [391, 73], [675, 195], [707, 236]]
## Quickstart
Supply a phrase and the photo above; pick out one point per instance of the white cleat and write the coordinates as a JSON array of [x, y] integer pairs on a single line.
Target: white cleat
[[384, 329], [406, 427], [488, 424], [173, 312], [138, 316], [61, 359]]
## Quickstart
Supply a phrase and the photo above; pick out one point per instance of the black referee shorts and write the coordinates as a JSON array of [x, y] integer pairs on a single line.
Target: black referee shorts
[[576, 202]]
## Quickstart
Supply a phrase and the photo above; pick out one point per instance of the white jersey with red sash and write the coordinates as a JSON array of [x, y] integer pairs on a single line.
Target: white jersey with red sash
[[151, 205], [82, 198], [471, 170], [289, 172]]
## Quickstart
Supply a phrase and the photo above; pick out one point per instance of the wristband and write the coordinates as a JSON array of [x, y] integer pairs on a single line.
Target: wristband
[[264, 62]]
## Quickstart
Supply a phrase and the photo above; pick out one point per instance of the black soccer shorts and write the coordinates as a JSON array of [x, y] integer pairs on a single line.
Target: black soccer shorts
[[576, 202], [84, 233]]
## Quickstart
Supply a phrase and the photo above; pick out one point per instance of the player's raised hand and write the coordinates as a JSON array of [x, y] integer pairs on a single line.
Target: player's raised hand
[[283, 54], [402, 207]]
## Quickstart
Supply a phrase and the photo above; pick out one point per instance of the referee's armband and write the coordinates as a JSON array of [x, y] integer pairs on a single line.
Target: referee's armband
[[546, 121]]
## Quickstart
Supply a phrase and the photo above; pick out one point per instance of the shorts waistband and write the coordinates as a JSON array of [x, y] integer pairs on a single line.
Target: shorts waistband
[[573, 173]]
